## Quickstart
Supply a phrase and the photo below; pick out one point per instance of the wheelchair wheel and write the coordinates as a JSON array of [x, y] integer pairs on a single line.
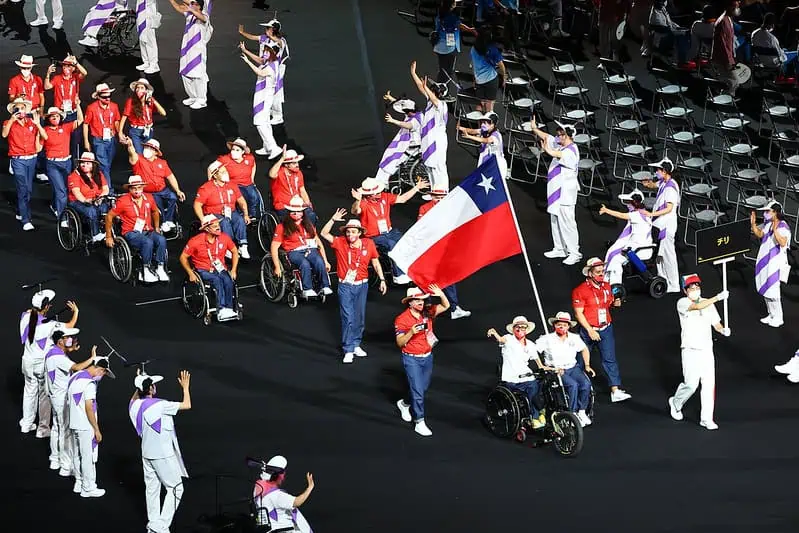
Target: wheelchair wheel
[[657, 287], [274, 287], [195, 300], [266, 230], [502, 413], [568, 433], [521, 435], [69, 237], [293, 300], [120, 260]]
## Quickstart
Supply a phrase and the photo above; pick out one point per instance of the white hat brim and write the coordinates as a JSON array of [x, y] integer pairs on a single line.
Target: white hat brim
[[530, 326]]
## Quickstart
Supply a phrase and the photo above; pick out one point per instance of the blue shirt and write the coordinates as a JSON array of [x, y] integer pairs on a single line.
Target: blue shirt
[[484, 8], [450, 24], [484, 67]]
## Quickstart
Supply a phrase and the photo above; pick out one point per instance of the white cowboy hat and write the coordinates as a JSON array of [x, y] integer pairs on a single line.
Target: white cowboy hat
[[371, 186], [54, 111], [39, 298], [70, 60], [403, 106], [25, 62], [591, 263], [519, 320], [88, 157], [207, 220], [415, 293], [214, 168], [155, 145], [135, 180], [102, 89], [138, 381], [296, 204], [352, 223], [665, 163], [241, 143], [293, 157], [17, 103], [140, 81], [562, 316]]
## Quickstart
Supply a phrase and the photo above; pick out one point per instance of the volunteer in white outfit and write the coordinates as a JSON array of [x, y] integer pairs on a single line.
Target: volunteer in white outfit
[[405, 143], [265, 68], [84, 425], [277, 511], [636, 234], [697, 316], [59, 366], [96, 17], [162, 462], [562, 187], [771, 267], [41, 15], [148, 19], [35, 335], [490, 141], [194, 50], [434, 130], [273, 37], [560, 349], [667, 202]]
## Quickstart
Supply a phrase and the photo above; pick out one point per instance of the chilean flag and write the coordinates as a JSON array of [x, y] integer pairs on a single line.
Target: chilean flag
[[472, 227]]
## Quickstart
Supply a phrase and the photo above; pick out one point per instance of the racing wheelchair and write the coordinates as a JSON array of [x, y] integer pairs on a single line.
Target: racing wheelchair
[[508, 414], [288, 285], [118, 35], [199, 300], [73, 229], [410, 171], [641, 264]]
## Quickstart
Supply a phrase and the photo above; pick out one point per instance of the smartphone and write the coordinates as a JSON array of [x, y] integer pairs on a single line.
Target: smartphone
[[423, 326]]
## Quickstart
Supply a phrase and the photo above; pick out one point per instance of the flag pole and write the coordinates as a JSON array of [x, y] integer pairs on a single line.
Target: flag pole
[[524, 253]]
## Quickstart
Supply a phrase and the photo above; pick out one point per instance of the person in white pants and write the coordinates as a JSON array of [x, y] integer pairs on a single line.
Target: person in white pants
[[265, 68], [434, 130], [148, 19], [162, 462], [771, 266], [35, 335], [59, 367], [194, 50], [562, 187], [41, 16], [85, 427], [637, 233], [273, 36], [95, 19], [665, 214], [697, 316]]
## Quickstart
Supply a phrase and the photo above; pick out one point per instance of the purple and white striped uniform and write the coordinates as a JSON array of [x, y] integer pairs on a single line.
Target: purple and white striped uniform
[[264, 94], [147, 15], [99, 13], [282, 57], [771, 266], [562, 184], [394, 154], [434, 134], [637, 233], [496, 148], [668, 193], [193, 47], [41, 338]]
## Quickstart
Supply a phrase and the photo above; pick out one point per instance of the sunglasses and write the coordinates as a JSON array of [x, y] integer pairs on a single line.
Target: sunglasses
[[520, 327]]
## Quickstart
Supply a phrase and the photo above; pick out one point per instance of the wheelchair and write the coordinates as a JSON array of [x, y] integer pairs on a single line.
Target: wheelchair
[[125, 264], [266, 224], [288, 286], [118, 35], [176, 232], [508, 414], [73, 230], [198, 296], [409, 172], [642, 269]]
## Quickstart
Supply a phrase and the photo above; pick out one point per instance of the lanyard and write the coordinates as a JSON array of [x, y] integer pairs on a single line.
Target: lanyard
[[222, 196], [293, 191], [71, 82], [208, 250], [603, 291], [146, 205], [358, 256], [147, 112], [382, 214], [302, 235], [28, 85], [102, 117]]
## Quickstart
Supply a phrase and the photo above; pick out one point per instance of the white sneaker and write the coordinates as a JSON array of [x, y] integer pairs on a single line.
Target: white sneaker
[[200, 104], [245, 253], [150, 276], [65, 472], [276, 153], [583, 418], [619, 396], [55, 465], [225, 313], [77, 488], [41, 21], [776, 323], [766, 319], [167, 226], [160, 271], [27, 227], [64, 224], [554, 254], [791, 367], [459, 313], [402, 279], [91, 42], [28, 429], [794, 377], [58, 25], [261, 151], [143, 66], [405, 410], [349, 357], [422, 429], [43, 434], [359, 352], [309, 293], [572, 259], [99, 237], [327, 291], [18, 217], [188, 101], [676, 414], [152, 70], [96, 493], [42, 177], [708, 424]]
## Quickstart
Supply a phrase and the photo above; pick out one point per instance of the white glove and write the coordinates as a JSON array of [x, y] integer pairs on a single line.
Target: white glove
[[723, 295], [726, 332]]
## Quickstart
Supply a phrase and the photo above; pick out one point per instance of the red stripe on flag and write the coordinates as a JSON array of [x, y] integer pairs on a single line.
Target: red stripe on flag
[[486, 239]]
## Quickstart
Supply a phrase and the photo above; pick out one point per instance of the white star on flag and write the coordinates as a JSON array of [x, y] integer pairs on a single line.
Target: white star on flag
[[485, 183]]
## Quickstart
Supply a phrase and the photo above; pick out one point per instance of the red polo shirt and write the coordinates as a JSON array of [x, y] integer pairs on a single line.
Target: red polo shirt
[[286, 186], [154, 173], [90, 191], [57, 144], [376, 213], [22, 139], [66, 89], [32, 89], [98, 117], [350, 258], [203, 253], [215, 198], [419, 343], [240, 172], [298, 239], [424, 208], [592, 300], [129, 212], [146, 118]]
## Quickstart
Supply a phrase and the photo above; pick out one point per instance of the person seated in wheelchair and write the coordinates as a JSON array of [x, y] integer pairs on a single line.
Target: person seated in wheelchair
[[160, 181], [373, 207], [517, 352], [636, 234], [240, 166], [86, 187], [560, 349], [219, 198], [404, 142], [286, 181], [205, 254], [297, 237], [139, 215], [490, 140]]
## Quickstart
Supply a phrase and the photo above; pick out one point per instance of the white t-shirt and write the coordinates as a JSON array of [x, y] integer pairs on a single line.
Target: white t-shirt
[[697, 325], [560, 353], [763, 38], [515, 357], [84, 388], [42, 340], [158, 437], [57, 366], [283, 505], [569, 161], [670, 195]]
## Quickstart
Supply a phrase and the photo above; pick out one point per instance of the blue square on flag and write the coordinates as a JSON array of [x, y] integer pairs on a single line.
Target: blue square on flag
[[485, 186]]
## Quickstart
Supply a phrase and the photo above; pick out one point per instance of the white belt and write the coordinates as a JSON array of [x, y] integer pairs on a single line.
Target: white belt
[[360, 282], [141, 127], [416, 354], [59, 158], [23, 156]]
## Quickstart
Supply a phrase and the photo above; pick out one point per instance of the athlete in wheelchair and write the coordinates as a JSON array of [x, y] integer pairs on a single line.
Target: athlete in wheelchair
[[87, 192], [402, 162], [203, 259], [296, 262]]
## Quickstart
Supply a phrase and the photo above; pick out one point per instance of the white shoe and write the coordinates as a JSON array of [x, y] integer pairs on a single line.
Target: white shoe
[[90, 42], [167, 226], [554, 254], [143, 66], [349, 357], [42, 177], [200, 104], [161, 273], [58, 25], [459, 313], [766, 319], [150, 276], [245, 253], [405, 410], [402, 279], [708, 424], [276, 153], [96, 493], [794, 377], [583, 418], [27, 227], [64, 224], [188, 101], [55, 465], [791, 367], [99, 237], [41, 21], [43, 434], [65, 472], [327, 291], [77, 488], [309, 293], [359, 352], [572, 259], [676, 414], [18, 217], [261, 151], [152, 70], [28, 429], [776, 323], [422, 429], [225, 313], [619, 395]]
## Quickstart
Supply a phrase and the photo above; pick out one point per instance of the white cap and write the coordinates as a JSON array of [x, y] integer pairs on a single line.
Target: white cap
[[570, 130], [278, 461], [771, 205], [38, 300], [138, 381], [629, 196]]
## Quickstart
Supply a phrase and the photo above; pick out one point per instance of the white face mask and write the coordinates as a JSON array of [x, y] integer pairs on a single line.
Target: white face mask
[[694, 294], [148, 153]]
